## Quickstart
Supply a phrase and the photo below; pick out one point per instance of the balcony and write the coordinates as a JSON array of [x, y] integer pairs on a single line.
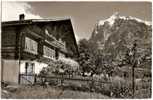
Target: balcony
[[50, 39]]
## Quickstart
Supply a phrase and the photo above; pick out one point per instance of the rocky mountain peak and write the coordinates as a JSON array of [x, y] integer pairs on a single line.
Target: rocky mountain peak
[[117, 33], [110, 20], [117, 15]]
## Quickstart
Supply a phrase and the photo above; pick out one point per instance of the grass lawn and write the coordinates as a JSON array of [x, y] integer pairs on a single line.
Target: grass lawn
[[37, 92]]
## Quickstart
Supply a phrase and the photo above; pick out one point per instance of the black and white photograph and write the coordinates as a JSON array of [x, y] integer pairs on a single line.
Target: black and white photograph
[[76, 50]]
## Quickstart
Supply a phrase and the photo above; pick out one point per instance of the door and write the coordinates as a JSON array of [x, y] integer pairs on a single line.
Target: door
[[28, 76]]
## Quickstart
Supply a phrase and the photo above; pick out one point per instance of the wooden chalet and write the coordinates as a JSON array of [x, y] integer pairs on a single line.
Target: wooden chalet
[[28, 44]]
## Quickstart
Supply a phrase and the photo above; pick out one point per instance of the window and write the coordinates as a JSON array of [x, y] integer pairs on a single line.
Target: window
[[31, 45], [48, 52]]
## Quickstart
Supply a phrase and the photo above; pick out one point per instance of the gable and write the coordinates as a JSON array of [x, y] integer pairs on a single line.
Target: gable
[[60, 29]]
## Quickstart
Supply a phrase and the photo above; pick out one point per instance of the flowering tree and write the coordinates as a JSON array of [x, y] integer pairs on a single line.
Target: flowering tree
[[62, 66]]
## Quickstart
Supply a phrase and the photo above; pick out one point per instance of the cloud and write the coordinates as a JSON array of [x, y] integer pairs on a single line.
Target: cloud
[[11, 11]]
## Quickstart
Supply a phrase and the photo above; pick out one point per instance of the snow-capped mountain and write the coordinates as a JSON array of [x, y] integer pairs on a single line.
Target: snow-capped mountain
[[116, 15], [117, 33]]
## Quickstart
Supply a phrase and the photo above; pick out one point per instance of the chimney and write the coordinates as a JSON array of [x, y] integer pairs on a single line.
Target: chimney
[[21, 17]]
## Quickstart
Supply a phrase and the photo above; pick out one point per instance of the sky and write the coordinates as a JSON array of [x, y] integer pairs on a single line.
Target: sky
[[84, 15]]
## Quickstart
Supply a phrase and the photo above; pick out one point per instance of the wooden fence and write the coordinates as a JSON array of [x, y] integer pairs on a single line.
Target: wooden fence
[[33, 79], [62, 79]]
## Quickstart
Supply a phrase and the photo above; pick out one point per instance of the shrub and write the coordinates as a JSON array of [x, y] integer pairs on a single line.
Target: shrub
[[62, 66], [69, 65], [121, 88]]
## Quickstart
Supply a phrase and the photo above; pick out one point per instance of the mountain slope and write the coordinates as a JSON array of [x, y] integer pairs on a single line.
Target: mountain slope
[[116, 35]]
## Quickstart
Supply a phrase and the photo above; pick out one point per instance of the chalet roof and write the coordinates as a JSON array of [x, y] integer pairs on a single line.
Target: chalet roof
[[32, 21]]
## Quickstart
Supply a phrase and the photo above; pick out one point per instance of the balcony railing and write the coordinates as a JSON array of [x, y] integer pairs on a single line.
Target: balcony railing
[[54, 42]]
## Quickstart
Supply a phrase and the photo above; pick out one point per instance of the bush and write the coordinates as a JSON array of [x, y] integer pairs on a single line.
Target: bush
[[143, 88], [121, 88], [62, 66], [4, 84]]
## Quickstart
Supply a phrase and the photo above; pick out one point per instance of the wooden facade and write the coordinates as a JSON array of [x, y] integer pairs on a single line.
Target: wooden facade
[[33, 40]]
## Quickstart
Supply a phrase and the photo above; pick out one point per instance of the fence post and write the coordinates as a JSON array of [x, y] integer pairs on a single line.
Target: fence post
[[111, 93], [19, 79], [92, 84], [62, 80], [35, 79]]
